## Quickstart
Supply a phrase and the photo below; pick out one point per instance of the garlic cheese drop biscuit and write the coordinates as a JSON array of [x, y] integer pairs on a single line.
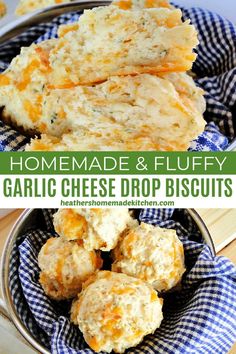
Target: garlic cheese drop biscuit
[[3, 8], [115, 312], [26, 6], [110, 41], [143, 112], [22, 87], [133, 4], [64, 267], [152, 254], [93, 228]]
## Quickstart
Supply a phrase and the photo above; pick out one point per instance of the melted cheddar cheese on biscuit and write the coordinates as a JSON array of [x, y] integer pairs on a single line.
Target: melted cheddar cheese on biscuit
[[115, 312], [54, 88], [124, 113], [64, 267], [3, 8], [110, 41], [23, 85], [92, 228], [152, 254], [26, 6]]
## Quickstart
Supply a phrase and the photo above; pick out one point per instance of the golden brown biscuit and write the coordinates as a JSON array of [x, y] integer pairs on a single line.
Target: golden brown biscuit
[[26, 6], [110, 41], [123, 113], [3, 8], [64, 267], [152, 254], [135, 104], [115, 312], [22, 87]]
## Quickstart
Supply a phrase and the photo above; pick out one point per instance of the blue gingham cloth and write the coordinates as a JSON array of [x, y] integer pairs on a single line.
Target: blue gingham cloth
[[198, 319], [215, 70]]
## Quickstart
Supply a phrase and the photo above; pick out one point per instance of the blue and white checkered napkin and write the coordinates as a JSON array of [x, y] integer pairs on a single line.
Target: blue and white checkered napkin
[[215, 69], [198, 319]]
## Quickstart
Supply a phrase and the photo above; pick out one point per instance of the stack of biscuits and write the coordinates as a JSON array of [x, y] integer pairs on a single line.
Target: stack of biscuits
[[116, 307], [115, 80], [27, 6]]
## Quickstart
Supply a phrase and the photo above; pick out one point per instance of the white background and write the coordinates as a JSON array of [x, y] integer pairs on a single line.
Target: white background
[[227, 8]]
